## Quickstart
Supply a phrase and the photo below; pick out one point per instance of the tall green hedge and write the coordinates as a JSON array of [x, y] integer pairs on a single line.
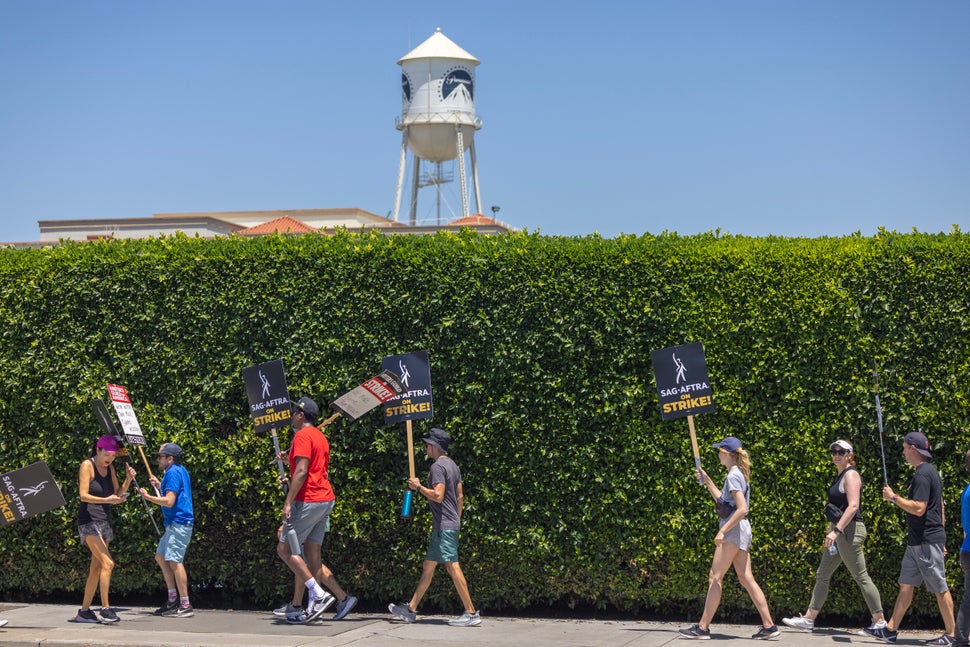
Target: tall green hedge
[[577, 493]]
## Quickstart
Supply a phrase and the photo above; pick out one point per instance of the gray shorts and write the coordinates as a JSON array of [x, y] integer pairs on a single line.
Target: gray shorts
[[740, 535], [923, 564], [96, 529], [309, 521]]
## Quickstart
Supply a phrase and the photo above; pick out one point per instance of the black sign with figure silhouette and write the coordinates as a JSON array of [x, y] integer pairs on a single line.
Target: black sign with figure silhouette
[[28, 491]]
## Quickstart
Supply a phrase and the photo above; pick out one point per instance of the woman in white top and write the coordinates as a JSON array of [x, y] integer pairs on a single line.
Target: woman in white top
[[732, 541]]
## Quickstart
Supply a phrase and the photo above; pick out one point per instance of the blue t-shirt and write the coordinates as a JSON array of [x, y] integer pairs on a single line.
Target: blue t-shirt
[[176, 479], [965, 518]]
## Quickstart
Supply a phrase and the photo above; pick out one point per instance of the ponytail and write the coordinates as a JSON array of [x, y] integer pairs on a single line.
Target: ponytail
[[744, 463]]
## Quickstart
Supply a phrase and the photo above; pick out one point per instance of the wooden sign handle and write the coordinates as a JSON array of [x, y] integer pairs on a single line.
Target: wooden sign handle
[[693, 444], [147, 466]]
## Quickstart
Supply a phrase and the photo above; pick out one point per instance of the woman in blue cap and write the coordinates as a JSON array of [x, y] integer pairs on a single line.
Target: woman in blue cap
[[732, 541]]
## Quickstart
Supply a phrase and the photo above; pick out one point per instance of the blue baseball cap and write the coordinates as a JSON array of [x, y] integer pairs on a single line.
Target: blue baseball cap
[[729, 444]]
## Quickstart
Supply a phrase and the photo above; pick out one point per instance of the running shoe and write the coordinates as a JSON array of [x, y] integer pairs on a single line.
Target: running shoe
[[695, 632], [345, 606], [403, 611], [801, 623], [766, 632], [108, 616], [466, 620]]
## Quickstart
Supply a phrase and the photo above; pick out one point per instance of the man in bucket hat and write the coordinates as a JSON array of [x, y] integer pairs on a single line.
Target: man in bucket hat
[[445, 497], [925, 542]]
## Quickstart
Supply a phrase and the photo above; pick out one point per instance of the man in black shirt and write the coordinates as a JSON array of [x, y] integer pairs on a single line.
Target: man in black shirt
[[925, 542]]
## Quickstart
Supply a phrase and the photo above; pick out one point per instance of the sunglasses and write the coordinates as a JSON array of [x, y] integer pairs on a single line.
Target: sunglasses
[[839, 452]]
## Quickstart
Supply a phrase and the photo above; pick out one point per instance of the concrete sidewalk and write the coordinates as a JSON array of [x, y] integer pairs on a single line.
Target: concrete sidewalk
[[50, 625]]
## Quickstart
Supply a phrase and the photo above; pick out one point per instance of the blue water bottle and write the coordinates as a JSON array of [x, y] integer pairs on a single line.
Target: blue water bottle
[[406, 504]]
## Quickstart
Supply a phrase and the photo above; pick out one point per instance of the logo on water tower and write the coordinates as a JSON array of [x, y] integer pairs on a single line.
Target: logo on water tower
[[457, 84], [406, 87]]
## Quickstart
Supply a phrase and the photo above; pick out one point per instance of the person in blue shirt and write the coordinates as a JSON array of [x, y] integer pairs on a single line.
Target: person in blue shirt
[[963, 614], [176, 502]]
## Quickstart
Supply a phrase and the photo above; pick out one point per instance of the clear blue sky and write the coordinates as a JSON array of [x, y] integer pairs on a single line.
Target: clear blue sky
[[755, 117]]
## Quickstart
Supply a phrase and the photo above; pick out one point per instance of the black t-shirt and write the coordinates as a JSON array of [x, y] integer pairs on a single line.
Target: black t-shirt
[[927, 529]]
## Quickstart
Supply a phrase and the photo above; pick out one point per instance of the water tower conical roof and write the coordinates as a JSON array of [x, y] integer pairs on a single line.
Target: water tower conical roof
[[438, 46]]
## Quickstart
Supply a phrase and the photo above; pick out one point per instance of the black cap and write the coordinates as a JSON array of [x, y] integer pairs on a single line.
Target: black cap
[[309, 407]]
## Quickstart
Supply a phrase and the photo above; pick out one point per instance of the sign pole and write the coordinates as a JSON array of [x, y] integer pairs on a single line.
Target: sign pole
[[410, 450], [882, 449], [693, 444], [279, 461], [408, 502]]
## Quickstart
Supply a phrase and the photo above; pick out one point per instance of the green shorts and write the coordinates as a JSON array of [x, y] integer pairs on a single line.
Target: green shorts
[[443, 547]]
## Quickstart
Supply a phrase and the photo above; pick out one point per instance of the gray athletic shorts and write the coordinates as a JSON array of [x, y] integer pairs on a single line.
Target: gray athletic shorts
[[923, 564], [740, 535], [309, 521]]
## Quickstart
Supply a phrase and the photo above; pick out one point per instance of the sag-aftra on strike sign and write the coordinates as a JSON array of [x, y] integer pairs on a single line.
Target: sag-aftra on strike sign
[[682, 383]]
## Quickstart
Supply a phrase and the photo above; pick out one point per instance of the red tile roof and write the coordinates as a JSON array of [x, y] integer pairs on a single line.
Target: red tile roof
[[283, 225], [474, 219]]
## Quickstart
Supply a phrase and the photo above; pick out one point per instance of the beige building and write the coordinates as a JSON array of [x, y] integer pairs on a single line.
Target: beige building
[[245, 223]]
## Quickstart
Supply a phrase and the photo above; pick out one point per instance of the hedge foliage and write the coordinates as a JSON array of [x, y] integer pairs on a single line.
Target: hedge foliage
[[578, 494]]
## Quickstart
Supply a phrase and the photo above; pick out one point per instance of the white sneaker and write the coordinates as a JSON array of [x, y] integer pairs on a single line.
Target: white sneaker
[[317, 606], [466, 620], [871, 629], [287, 610], [801, 623]]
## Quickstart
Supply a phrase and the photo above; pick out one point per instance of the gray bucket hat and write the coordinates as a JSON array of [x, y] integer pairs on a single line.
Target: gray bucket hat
[[439, 438]]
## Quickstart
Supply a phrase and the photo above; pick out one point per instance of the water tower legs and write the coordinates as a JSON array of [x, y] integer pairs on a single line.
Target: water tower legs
[[400, 173], [478, 194], [461, 170]]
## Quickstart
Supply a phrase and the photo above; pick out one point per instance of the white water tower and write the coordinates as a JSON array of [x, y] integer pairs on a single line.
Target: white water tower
[[437, 121]]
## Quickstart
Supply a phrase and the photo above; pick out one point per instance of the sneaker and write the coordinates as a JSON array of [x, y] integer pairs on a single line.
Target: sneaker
[[942, 640], [695, 632], [801, 622], [167, 609], [3, 623], [345, 606], [184, 612], [869, 631], [766, 632], [403, 611], [287, 610], [317, 606], [299, 618], [885, 634], [86, 615], [108, 616], [466, 620]]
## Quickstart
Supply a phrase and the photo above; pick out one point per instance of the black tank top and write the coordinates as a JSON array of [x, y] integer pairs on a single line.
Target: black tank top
[[839, 498], [100, 486]]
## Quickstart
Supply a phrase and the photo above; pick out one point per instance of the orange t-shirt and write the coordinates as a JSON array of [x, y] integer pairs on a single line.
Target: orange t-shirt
[[310, 443]]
